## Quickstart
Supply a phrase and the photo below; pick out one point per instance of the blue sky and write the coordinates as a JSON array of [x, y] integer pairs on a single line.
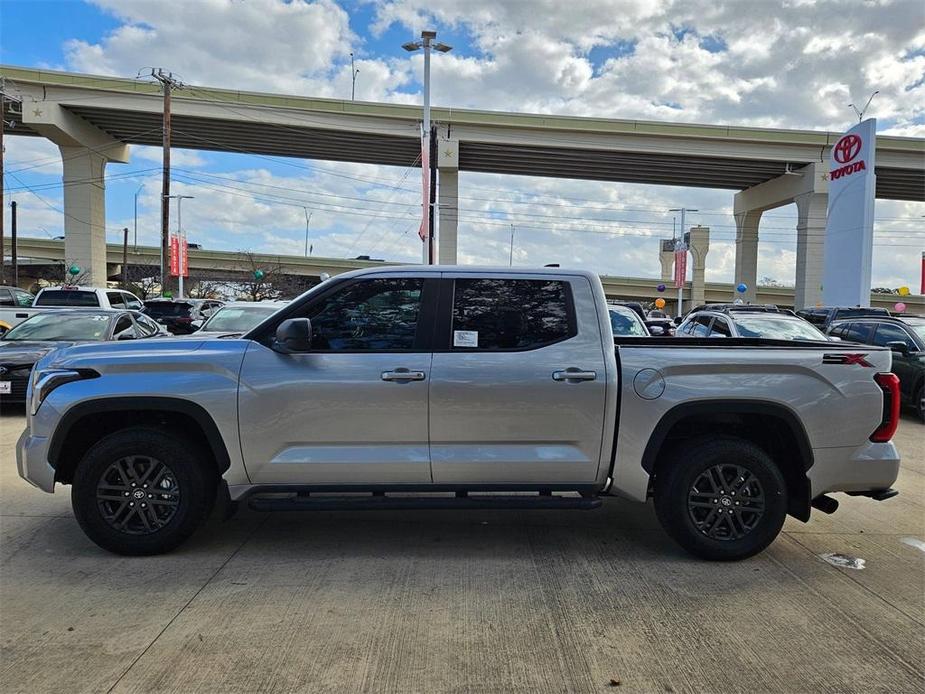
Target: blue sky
[[690, 60]]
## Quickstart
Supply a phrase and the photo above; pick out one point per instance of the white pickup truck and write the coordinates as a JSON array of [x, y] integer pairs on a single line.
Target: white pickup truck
[[459, 387], [67, 297]]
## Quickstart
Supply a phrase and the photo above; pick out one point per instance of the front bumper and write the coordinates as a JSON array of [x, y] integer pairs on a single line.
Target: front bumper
[[866, 468], [32, 462]]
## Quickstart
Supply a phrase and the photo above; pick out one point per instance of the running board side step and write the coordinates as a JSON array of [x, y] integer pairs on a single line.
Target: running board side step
[[877, 494], [389, 503]]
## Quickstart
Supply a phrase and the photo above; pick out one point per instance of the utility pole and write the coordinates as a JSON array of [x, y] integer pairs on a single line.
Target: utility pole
[[681, 246], [510, 260], [125, 258], [353, 79], [168, 83], [14, 254], [308, 218]]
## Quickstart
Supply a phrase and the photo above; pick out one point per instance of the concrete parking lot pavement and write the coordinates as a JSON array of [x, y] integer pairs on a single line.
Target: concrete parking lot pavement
[[452, 601]]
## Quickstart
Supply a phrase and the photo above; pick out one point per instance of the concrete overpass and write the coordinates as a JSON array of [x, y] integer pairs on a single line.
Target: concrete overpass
[[93, 119], [35, 251]]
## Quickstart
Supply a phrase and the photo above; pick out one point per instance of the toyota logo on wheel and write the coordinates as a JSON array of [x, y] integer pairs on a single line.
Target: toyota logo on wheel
[[847, 148]]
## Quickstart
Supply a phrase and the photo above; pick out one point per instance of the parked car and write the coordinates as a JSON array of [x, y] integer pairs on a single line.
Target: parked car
[[625, 322], [660, 323], [823, 316], [14, 305], [86, 297], [236, 318], [906, 338], [181, 316], [741, 323], [424, 379], [33, 338], [635, 305]]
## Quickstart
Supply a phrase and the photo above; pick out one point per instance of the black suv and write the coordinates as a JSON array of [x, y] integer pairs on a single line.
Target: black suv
[[823, 316], [181, 316], [906, 337]]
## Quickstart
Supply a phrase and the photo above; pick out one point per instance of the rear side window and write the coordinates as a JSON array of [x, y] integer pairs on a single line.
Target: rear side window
[[165, 309], [22, 298], [502, 314], [720, 328], [859, 332], [701, 326], [67, 297], [6, 297], [115, 299], [132, 301]]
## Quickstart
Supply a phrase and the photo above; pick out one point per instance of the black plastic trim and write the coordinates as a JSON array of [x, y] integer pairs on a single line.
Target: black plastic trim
[[120, 404], [716, 407], [380, 503]]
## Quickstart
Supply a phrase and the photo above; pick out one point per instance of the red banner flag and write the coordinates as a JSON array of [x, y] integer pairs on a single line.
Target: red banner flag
[[680, 266], [184, 257], [424, 231], [174, 255]]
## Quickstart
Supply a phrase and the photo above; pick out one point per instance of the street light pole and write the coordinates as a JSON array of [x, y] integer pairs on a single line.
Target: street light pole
[[180, 199], [427, 43], [135, 242], [683, 211]]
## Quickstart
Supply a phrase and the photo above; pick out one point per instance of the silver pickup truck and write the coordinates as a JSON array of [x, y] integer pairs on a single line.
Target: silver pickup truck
[[459, 387]]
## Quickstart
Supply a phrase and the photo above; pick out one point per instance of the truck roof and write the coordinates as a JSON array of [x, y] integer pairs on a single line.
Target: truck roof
[[469, 270]]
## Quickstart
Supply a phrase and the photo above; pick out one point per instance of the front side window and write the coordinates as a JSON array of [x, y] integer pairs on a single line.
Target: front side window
[[701, 326], [720, 328], [115, 299], [369, 315], [132, 301], [887, 333], [499, 314], [146, 327], [123, 325], [22, 298]]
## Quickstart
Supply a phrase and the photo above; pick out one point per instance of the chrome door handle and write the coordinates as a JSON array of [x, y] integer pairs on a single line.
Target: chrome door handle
[[574, 375], [402, 375]]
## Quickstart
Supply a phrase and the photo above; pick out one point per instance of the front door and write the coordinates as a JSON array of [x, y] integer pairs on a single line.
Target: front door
[[354, 409], [517, 383]]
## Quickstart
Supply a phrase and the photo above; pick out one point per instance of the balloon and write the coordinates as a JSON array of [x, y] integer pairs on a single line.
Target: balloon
[[660, 288], [74, 269], [904, 291], [659, 303], [741, 287], [900, 307], [258, 274]]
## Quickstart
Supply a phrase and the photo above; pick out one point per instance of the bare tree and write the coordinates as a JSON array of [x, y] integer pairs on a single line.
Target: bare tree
[[261, 280], [142, 280], [58, 274]]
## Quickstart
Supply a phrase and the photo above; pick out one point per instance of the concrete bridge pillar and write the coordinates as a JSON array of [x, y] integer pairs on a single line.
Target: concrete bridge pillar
[[811, 218], [746, 267], [85, 150], [698, 243], [447, 197], [666, 258], [808, 187]]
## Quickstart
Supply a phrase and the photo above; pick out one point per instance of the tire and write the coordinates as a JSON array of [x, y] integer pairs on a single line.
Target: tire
[[116, 510], [702, 479]]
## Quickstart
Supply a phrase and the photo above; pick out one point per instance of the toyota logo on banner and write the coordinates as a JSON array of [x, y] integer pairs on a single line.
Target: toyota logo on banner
[[847, 148]]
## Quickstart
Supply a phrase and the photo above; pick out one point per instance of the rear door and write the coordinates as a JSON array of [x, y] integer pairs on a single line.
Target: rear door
[[517, 382], [905, 366]]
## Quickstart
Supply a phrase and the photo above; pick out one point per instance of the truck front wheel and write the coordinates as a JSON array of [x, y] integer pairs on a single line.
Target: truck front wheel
[[721, 498], [141, 491]]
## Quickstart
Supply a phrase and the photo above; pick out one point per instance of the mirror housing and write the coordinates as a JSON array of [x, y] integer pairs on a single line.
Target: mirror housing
[[293, 336], [898, 346], [677, 320]]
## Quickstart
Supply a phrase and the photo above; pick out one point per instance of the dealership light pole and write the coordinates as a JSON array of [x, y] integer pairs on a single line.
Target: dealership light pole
[[677, 247], [427, 43], [180, 199]]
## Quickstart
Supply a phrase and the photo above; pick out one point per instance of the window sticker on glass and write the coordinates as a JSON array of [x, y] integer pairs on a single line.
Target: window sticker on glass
[[465, 338]]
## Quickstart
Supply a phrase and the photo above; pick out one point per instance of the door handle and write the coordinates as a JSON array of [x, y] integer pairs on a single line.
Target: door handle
[[402, 375], [573, 374]]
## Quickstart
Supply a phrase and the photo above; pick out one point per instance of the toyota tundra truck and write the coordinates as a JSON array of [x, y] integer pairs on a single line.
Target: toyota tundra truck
[[459, 387]]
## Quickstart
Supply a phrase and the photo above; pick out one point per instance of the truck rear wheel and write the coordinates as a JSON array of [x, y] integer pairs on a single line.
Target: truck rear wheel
[[721, 498], [141, 491]]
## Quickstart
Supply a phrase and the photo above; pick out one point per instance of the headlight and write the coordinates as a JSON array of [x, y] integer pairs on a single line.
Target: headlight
[[46, 380]]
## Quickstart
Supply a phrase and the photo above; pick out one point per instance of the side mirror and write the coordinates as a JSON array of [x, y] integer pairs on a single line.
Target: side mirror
[[293, 336], [677, 320], [898, 346], [656, 330]]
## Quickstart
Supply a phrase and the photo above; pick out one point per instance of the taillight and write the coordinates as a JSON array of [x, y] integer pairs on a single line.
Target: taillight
[[889, 384]]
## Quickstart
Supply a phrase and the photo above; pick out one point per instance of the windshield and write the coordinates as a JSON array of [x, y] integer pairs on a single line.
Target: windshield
[[625, 322], [777, 328], [67, 297], [160, 309], [83, 327], [238, 319]]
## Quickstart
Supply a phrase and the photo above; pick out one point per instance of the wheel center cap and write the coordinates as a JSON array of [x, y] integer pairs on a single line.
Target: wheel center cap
[[726, 501], [138, 494]]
